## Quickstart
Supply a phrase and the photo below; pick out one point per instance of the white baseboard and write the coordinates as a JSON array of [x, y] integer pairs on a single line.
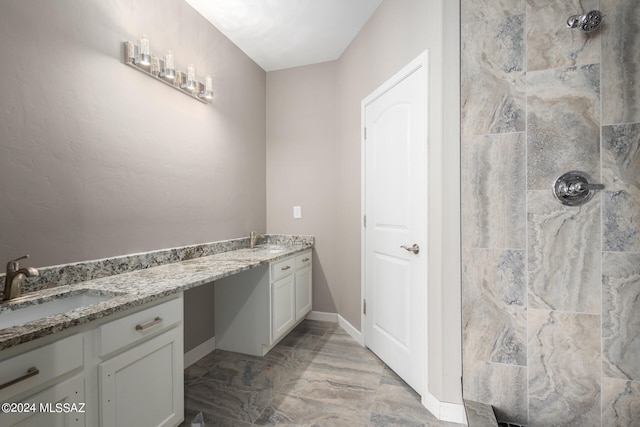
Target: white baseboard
[[336, 318], [445, 411], [198, 352], [322, 316], [348, 327]]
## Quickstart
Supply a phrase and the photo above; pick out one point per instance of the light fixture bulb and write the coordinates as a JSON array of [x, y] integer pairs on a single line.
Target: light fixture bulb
[[208, 88], [143, 48], [191, 77], [169, 65]]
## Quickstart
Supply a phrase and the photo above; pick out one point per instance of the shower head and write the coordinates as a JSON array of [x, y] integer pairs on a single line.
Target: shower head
[[587, 23]]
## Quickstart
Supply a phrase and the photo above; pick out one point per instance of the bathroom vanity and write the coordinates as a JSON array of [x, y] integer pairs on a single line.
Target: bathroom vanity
[[94, 376], [117, 360], [254, 310]]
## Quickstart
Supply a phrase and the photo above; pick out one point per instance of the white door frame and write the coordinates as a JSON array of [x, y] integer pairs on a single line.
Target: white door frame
[[420, 61]]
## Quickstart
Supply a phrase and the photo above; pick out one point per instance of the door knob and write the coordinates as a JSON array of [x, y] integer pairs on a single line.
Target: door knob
[[415, 248]]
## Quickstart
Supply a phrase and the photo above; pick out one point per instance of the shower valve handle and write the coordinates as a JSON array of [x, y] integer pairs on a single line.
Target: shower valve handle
[[574, 188], [582, 186]]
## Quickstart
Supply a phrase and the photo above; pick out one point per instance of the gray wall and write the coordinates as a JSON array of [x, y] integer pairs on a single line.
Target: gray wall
[[551, 303], [97, 159], [313, 152], [302, 167]]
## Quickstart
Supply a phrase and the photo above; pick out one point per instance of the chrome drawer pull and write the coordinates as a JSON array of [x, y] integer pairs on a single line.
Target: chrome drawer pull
[[31, 372], [286, 267], [155, 322], [305, 260]]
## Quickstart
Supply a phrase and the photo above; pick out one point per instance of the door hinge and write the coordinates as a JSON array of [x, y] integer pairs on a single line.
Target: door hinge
[[364, 307], [364, 221], [365, 133]]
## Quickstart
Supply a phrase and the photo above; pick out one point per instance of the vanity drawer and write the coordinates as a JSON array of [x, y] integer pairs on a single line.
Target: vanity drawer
[[303, 260], [282, 268], [33, 368], [137, 326]]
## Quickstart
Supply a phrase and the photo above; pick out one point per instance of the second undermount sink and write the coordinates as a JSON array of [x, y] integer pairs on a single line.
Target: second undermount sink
[[24, 311]]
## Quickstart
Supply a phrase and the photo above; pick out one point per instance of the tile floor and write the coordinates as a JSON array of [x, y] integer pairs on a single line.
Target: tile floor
[[316, 376]]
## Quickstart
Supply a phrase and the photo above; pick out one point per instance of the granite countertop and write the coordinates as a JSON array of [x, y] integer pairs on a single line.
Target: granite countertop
[[135, 288]]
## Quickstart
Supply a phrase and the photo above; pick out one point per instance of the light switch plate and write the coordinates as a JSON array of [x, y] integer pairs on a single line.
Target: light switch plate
[[297, 212]]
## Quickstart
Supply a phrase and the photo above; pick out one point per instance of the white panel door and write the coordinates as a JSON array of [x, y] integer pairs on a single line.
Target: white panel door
[[395, 205]]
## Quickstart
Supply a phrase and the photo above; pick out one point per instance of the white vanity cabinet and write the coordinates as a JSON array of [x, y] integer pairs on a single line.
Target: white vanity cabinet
[[45, 386], [304, 290], [142, 384], [122, 372], [291, 297], [283, 298], [255, 309]]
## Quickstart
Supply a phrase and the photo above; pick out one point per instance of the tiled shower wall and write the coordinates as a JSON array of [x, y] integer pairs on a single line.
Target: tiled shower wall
[[551, 294]]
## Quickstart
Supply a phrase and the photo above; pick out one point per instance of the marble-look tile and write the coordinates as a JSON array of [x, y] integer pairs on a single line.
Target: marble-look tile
[[502, 386], [399, 406], [343, 346], [479, 414], [494, 315], [621, 177], [211, 420], [564, 254], [621, 62], [493, 183], [391, 378], [209, 397], [247, 374], [563, 119], [621, 315], [493, 76], [292, 410], [315, 327], [550, 44], [564, 369], [288, 357], [364, 369], [346, 385], [300, 340], [342, 385], [475, 10], [620, 403]]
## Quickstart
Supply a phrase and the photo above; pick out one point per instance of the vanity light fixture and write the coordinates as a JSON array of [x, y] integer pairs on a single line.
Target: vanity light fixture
[[139, 56]]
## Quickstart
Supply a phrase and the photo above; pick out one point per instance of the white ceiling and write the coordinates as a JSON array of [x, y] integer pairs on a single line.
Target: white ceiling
[[279, 34]]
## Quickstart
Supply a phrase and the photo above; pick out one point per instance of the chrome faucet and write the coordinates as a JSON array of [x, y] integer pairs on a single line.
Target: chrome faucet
[[15, 276], [252, 239]]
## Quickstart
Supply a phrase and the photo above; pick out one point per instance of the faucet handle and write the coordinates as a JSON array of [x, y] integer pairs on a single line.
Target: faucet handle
[[14, 264], [21, 258]]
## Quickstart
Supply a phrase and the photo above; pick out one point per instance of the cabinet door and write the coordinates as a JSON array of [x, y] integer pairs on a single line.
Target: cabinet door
[[303, 292], [143, 386], [283, 314], [61, 405]]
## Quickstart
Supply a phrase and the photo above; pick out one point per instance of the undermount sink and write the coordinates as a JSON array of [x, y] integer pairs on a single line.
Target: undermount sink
[[39, 308]]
